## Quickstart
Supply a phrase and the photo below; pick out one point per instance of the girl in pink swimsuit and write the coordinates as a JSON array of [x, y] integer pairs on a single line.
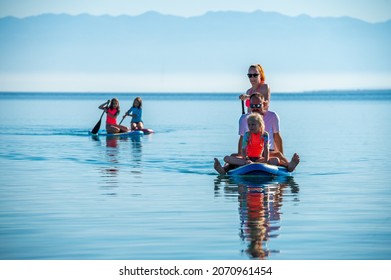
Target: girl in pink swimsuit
[[112, 111]]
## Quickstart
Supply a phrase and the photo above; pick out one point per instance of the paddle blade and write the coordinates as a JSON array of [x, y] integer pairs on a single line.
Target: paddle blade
[[97, 127]]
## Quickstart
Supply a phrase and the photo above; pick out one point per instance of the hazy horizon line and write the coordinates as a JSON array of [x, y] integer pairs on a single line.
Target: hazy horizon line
[[193, 16]]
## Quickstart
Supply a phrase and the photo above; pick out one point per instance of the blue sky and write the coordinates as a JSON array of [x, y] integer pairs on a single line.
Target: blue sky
[[368, 10]]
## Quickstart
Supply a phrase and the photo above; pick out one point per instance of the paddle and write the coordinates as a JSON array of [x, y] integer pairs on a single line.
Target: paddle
[[97, 126], [122, 119]]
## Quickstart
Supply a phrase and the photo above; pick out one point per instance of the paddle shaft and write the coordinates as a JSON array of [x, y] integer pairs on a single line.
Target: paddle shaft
[[122, 119]]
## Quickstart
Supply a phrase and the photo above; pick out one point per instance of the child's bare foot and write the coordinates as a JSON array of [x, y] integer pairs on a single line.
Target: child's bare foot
[[294, 162], [218, 167]]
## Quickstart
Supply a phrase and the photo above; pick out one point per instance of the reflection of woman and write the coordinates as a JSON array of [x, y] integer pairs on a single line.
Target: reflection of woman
[[260, 206], [260, 202], [254, 222]]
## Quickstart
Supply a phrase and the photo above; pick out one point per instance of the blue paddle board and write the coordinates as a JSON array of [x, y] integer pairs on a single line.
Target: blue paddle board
[[122, 134], [260, 169]]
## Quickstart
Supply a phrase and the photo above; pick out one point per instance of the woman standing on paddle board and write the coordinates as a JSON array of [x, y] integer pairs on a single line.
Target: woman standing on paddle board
[[257, 78], [112, 111]]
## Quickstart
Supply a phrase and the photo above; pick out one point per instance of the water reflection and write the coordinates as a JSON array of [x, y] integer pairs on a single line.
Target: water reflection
[[120, 152], [260, 202], [110, 172]]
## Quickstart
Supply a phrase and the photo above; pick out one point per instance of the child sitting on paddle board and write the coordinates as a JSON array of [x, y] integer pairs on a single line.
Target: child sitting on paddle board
[[136, 113], [255, 146], [112, 111]]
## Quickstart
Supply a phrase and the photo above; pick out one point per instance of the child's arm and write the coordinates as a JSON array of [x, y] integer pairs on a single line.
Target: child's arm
[[128, 112], [244, 147], [266, 146], [244, 152], [104, 105]]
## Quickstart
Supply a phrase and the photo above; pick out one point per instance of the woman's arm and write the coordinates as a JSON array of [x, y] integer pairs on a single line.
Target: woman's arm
[[244, 145]]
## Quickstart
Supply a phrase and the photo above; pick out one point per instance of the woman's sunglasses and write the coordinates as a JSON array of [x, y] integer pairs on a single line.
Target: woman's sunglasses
[[252, 75]]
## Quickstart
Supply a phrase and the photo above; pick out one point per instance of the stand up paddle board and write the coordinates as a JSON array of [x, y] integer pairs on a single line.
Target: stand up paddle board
[[260, 169], [122, 134]]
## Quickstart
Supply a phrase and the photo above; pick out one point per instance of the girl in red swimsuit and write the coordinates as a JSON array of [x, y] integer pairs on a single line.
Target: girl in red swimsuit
[[112, 111]]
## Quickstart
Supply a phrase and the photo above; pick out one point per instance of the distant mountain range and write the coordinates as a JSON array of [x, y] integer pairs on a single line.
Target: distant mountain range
[[214, 42]]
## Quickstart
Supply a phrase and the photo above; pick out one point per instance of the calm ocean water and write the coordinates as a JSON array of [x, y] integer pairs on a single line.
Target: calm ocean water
[[66, 195]]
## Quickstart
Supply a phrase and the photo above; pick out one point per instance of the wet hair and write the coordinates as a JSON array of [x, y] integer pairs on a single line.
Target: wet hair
[[260, 70]]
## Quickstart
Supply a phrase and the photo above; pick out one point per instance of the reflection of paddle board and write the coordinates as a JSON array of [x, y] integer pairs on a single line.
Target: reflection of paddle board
[[260, 169], [122, 134], [145, 130]]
